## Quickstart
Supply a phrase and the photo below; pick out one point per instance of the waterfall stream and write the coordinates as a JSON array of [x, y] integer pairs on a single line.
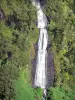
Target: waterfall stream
[[41, 61]]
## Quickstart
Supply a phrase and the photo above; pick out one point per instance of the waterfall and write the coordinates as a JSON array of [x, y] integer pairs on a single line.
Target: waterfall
[[41, 61]]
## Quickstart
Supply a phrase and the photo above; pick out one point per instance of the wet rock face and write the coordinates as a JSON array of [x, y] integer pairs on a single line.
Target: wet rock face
[[50, 70], [42, 2], [2, 15], [33, 62]]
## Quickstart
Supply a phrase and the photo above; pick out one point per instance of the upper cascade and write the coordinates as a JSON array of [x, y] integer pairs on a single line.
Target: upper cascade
[[42, 20]]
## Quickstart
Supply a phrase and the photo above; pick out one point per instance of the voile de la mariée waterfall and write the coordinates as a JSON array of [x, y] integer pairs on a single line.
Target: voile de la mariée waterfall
[[41, 61]]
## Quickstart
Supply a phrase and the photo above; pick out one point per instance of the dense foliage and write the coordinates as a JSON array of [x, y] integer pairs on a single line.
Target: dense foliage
[[18, 34], [61, 29], [17, 39]]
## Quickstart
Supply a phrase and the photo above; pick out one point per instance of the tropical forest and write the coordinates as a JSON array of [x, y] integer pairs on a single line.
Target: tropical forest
[[37, 49]]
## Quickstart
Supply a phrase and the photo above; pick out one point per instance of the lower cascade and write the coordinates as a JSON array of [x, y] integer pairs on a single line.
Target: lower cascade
[[41, 61], [40, 75]]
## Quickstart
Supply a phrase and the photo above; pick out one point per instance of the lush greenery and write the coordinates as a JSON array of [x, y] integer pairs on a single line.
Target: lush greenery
[[61, 28], [17, 39], [24, 91], [18, 34]]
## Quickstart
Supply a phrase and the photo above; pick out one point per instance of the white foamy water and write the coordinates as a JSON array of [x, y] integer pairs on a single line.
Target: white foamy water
[[40, 74]]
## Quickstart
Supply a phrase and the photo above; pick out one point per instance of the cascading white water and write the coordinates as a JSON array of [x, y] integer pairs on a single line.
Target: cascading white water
[[40, 74]]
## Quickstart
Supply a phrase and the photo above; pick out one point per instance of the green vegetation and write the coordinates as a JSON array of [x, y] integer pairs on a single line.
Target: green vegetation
[[61, 93], [61, 29], [18, 34], [23, 88]]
